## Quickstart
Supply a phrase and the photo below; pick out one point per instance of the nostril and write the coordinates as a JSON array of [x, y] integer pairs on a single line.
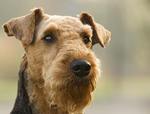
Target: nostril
[[76, 68], [80, 67]]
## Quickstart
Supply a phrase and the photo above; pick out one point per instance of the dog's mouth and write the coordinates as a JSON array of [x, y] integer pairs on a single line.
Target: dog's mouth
[[67, 87]]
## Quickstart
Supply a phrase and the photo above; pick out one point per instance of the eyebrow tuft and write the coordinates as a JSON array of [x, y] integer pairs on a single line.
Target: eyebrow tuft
[[51, 28]]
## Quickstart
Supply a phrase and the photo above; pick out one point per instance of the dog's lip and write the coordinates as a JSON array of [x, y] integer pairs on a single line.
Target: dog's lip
[[83, 75]]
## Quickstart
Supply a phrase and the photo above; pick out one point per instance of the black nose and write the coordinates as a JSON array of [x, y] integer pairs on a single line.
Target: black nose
[[80, 68]]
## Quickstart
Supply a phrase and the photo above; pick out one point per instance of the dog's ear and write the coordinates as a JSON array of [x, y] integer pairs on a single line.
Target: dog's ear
[[100, 34], [23, 28]]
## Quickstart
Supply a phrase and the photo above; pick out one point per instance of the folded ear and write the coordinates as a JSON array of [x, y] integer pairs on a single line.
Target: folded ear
[[23, 28], [100, 34]]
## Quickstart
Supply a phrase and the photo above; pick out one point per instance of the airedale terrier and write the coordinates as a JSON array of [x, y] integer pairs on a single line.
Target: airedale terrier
[[59, 69]]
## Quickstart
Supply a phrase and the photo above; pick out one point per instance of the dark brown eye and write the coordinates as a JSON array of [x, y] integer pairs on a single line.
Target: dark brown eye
[[86, 40], [48, 38]]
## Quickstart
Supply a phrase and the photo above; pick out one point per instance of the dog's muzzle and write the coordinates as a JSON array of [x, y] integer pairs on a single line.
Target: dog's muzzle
[[81, 68]]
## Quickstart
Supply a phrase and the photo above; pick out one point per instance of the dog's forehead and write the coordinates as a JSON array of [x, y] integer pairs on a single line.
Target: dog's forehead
[[63, 23], [61, 20]]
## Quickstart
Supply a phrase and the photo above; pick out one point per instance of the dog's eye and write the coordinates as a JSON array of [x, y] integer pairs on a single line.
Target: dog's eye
[[86, 40], [48, 38]]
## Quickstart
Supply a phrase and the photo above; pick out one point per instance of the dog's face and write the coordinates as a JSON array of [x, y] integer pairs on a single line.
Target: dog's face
[[59, 48]]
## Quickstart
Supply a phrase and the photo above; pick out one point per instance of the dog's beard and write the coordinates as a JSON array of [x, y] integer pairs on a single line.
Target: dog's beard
[[71, 95], [67, 91]]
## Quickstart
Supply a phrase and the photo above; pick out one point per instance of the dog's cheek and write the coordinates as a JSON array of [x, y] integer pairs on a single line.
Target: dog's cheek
[[95, 70]]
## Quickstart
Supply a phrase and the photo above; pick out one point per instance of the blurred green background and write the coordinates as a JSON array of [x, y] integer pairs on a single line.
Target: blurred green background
[[124, 87]]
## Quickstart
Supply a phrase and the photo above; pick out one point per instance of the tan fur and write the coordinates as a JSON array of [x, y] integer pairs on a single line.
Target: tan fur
[[52, 87]]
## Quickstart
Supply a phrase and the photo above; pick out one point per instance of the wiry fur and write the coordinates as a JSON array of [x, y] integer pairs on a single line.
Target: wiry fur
[[51, 86]]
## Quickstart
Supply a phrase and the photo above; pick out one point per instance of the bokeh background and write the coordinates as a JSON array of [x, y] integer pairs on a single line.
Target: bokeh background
[[124, 87]]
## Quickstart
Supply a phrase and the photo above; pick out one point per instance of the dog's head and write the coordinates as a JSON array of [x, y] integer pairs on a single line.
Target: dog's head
[[24, 28], [59, 50]]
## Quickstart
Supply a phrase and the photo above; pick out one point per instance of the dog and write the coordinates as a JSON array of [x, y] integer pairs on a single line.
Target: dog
[[59, 70]]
